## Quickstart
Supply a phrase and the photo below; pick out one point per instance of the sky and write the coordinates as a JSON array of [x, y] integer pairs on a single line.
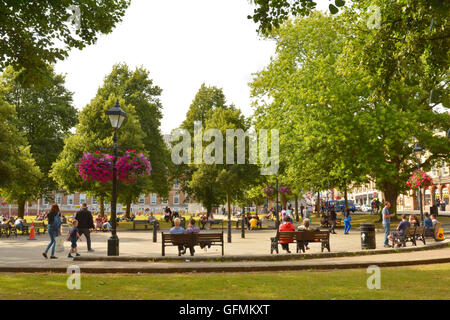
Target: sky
[[183, 44]]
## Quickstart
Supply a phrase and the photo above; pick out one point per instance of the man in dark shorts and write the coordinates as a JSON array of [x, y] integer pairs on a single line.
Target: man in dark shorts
[[85, 223], [73, 236]]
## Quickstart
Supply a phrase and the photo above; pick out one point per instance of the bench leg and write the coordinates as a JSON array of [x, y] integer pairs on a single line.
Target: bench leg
[[163, 251]]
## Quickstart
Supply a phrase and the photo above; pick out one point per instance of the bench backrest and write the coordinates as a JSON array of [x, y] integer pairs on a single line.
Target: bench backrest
[[287, 235], [141, 222], [410, 231], [420, 230], [192, 238]]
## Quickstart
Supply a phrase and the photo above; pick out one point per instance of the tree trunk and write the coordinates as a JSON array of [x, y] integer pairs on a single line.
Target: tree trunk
[[391, 194], [283, 201], [128, 203], [21, 208], [345, 200], [102, 206], [318, 202]]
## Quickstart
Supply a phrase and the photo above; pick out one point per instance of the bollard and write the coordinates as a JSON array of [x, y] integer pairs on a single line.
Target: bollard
[[242, 228], [155, 231]]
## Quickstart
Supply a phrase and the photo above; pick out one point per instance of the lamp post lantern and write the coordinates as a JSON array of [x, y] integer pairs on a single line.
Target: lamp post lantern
[[116, 116], [418, 152]]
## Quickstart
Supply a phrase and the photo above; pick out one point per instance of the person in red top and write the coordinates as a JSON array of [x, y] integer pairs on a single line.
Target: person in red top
[[286, 227]]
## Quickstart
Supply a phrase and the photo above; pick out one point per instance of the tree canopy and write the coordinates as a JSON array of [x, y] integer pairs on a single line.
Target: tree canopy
[[35, 34]]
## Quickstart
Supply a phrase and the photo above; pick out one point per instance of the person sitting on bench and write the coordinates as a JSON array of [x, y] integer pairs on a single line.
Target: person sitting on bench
[[177, 229], [436, 225], [152, 220], [192, 228], [400, 230], [305, 226], [286, 227], [203, 221]]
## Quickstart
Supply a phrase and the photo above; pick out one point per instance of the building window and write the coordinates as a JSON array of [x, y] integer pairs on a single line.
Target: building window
[[58, 199], [165, 201], [153, 198], [82, 198], [45, 201], [70, 198], [176, 198], [427, 197], [142, 199], [175, 184], [94, 200]]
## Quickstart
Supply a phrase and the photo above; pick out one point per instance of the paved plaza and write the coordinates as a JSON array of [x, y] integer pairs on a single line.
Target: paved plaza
[[22, 253]]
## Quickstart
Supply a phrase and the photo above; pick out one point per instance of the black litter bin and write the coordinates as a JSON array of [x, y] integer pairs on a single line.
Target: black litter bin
[[368, 236], [434, 210], [442, 206]]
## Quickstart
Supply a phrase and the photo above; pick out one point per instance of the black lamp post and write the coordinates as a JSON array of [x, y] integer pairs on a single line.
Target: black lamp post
[[116, 116], [278, 217], [418, 152]]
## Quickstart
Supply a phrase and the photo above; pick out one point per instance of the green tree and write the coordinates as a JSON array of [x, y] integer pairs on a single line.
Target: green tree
[[94, 133], [137, 89], [19, 175], [10, 139], [25, 183], [45, 115], [270, 14], [32, 31], [201, 185], [234, 179], [317, 104]]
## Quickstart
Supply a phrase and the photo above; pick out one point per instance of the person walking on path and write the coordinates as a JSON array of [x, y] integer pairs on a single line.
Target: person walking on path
[[54, 224], [73, 236], [347, 220], [85, 223], [333, 219], [387, 223]]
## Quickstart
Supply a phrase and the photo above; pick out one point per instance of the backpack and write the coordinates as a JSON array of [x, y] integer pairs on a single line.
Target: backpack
[[57, 222]]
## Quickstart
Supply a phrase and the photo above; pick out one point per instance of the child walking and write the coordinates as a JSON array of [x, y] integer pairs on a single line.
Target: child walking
[[73, 236]]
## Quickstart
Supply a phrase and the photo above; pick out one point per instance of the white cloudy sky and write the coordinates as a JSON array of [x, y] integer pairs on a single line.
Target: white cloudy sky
[[183, 43]]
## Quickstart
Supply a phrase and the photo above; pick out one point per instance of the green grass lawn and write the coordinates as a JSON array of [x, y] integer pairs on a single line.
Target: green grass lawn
[[418, 282]]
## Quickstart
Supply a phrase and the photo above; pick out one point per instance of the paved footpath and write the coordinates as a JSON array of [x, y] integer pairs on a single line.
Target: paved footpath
[[19, 254]]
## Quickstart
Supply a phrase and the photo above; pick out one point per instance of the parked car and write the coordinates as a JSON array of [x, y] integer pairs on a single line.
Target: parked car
[[339, 205], [366, 208]]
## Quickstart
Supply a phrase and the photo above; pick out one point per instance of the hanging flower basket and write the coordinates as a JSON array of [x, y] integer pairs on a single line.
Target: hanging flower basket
[[285, 190], [99, 167], [132, 165], [419, 179]]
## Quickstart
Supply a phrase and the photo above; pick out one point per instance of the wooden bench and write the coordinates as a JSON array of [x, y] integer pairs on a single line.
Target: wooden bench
[[411, 235], [191, 240], [37, 227], [301, 237], [7, 230], [140, 223], [311, 236]]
